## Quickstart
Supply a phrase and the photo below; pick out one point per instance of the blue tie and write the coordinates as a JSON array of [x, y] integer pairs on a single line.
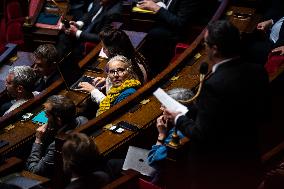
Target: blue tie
[[274, 34]]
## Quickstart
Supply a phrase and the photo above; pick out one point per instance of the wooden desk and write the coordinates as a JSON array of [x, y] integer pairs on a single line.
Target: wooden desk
[[245, 19]]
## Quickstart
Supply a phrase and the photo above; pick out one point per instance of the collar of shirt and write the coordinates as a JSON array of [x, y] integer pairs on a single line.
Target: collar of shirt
[[169, 3], [215, 66], [73, 179]]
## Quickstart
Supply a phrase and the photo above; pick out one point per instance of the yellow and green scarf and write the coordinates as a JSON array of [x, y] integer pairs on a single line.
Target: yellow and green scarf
[[114, 92]]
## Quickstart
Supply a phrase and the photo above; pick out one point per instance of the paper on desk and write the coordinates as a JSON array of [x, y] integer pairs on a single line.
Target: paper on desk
[[170, 103], [102, 54], [137, 9]]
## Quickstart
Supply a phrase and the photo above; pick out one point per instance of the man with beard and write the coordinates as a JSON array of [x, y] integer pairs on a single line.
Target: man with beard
[[61, 114], [20, 85]]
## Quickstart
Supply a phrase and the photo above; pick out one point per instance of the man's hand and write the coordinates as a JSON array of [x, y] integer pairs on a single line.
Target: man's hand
[[263, 26], [148, 5], [279, 50], [40, 133], [171, 115], [71, 31], [85, 86], [73, 23]]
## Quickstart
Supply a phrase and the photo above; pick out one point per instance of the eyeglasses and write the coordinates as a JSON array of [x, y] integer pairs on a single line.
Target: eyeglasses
[[118, 71]]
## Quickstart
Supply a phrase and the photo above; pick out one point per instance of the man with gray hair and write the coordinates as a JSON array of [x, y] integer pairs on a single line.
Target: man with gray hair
[[20, 85]]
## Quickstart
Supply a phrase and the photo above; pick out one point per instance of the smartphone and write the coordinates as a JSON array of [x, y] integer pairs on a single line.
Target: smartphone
[[128, 126], [65, 23]]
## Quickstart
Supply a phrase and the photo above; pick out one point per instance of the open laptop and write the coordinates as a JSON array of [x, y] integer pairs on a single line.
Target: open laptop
[[136, 159], [73, 75]]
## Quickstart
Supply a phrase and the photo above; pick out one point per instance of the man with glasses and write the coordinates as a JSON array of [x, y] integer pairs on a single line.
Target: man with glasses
[[223, 127], [20, 83], [61, 114]]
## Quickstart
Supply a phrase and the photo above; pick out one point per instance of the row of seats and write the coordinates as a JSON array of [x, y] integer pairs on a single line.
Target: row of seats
[[11, 24]]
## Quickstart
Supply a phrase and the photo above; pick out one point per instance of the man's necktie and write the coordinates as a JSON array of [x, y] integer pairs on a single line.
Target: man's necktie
[[274, 34], [91, 25]]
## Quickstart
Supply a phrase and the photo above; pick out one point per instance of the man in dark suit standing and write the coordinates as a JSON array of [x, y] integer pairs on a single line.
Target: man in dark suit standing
[[223, 134], [102, 13], [171, 25]]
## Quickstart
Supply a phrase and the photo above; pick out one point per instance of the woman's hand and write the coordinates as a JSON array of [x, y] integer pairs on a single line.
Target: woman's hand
[[162, 127], [85, 86], [100, 83]]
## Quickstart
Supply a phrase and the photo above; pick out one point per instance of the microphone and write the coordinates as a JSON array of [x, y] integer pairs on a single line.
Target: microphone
[[203, 71]]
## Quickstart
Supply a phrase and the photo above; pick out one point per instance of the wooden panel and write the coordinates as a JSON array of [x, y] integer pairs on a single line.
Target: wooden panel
[[245, 19]]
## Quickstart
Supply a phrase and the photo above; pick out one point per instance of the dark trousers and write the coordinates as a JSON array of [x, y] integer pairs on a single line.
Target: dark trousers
[[159, 48]]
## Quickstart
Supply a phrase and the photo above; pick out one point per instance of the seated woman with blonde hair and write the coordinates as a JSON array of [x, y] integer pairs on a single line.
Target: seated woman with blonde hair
[[123, 81]]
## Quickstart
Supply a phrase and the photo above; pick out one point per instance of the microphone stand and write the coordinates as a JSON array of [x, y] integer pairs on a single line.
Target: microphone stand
[[175, 142]]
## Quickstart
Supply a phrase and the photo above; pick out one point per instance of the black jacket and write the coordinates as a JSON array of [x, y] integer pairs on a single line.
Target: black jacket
[[232, 102]]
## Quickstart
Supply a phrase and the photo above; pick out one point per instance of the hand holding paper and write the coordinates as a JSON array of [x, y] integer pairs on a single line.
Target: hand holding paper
[[169, 102]]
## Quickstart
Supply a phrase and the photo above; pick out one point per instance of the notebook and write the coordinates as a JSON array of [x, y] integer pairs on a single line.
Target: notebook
[[40, 118], [136, 159], [18, 180]]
